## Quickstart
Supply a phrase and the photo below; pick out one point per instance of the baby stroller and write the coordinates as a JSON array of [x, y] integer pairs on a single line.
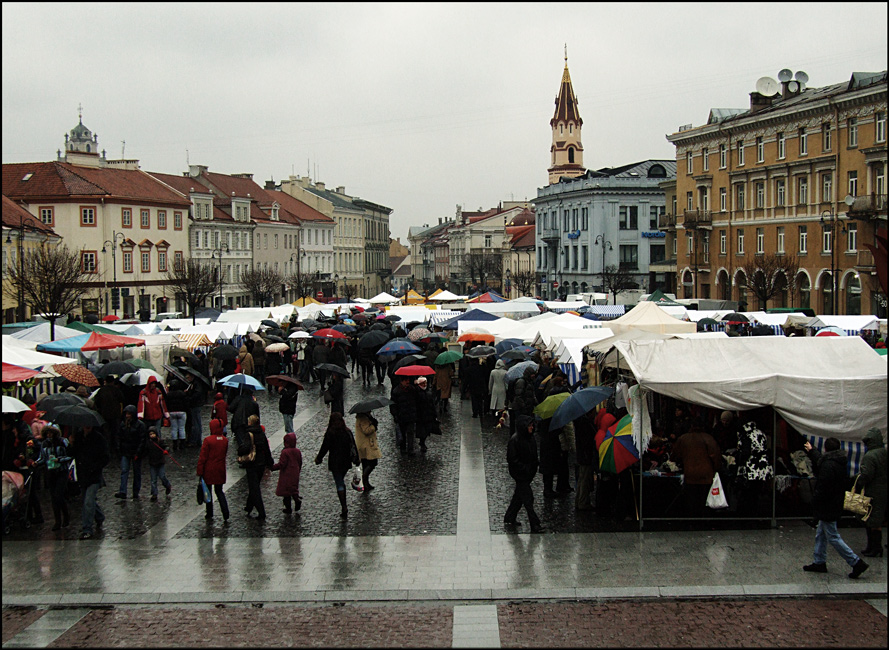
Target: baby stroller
[[16, 493]]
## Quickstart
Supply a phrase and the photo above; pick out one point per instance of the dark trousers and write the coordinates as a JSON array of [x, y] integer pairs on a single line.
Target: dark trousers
[[223, 502], [694, 499], [381, 371], [57, 482], [254, 495], [522, 496], [478, 403], [297, 504]]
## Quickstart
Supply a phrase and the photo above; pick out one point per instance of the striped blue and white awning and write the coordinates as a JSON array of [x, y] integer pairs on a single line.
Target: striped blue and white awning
[[608, 311], [571, 372], [440, 315]]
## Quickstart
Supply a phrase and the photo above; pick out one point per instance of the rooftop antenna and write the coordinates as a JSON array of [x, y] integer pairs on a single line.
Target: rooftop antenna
[[566, 55], [186, 158], [123, 147], [766, 86], [79, 112]]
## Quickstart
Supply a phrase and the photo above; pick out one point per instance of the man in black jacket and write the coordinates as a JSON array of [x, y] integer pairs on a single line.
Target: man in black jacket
[[133, 437], [831, 478], [404, 409], [521, 455], [90, 452]]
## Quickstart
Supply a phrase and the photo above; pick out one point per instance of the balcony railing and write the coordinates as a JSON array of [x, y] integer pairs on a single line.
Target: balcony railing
[[666, 222], [694, 219], [868, 206]]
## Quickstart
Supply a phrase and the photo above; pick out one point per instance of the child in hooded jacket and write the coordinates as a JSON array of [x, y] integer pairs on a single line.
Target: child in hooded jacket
[[290, 465], [220, 412], [157, 458]]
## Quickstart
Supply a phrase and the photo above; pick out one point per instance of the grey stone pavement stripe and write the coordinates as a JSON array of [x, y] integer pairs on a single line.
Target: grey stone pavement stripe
[[473, 565], [878, 604], [475, 626], [47, 628]]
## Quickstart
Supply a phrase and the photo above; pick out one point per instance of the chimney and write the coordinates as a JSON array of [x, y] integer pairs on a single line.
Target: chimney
[[319, 185], [249, 177], [341, 189], [270, 185], [759, 102], [439, 221]]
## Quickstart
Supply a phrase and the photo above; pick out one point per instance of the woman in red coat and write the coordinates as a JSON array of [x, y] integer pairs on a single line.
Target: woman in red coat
[[211, 466], [290, 465]]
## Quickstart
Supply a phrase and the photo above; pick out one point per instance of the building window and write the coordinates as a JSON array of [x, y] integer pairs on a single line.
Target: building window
[[128, 261], [177, 221], [780, 248], [162, 219], [741, 203], [675, 245], [780, 193], [722, 156], [162, 261], [629, 256], [803, 240], [584, 218], [126, 217], [584, 257], [565, 257], [653, 212], [47, 217], [177, 260], [826, 136], [146, 219], [656, 253], [276, 241], [265, 240], [689, 244], [853, 131], [880, 186], [853, 183], [689, 201], [87, 216], [146, 262], [488, 242], [827, 238], [803, 142], [689, 163], [760, 150], [880, 128], [782, 151], [826, 187], [723, 199], [629, 217], [852, 237], [760, 194], [803, 191], [760, 241], [88, 261], [740, 242], [740, 153], [723, 242], [705, 159]]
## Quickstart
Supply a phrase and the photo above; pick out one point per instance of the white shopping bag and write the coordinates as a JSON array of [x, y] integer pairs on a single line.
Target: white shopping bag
[[716, 498]]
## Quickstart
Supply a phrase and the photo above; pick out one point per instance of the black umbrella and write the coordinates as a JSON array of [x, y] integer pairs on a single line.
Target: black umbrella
[[176, 371], [115, 368], [53, 403], [78, 416], [392, 318], [332, 367], [91, 319], [282, 380], [369, 405], [412, 360], [735, 317], [378, 326], [480, 351], [269, 323], [181, 352], [224, 352], [194, 373], [275, 339], [512, 355], [372, 339]]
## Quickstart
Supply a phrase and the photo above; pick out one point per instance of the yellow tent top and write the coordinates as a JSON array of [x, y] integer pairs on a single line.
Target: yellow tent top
[[434, 293], [413, 298], [302, 302]]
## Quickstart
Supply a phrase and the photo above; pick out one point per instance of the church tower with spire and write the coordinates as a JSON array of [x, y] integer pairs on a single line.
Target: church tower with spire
[[566, 152], [81, 146]]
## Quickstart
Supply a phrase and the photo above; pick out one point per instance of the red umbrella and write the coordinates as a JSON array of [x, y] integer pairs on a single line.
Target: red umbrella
[[328, 333], [415, 371], [13, 373], [110, 318], [76, 374]]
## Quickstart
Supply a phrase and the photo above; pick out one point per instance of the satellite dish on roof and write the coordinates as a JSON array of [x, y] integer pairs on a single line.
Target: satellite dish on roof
[[793, 86], [785, 75], [766, 86], [801, 77], [849, 200]]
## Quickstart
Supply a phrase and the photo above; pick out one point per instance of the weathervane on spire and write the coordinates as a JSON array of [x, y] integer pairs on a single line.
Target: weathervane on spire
[[566, 55], [80, 112]]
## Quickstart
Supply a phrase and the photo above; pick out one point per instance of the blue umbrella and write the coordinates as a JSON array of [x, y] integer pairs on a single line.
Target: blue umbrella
[[580, 403], [398, 346], [241, 379], [519, 369], [507, 344], [343, 327]]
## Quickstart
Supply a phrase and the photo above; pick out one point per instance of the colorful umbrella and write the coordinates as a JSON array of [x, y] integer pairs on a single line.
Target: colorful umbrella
[[507, 344], [831, 330], [76, 374], [418, 333], [547, 407], [579, 404], [141, 363], [343, 327], [434, 336], [616, 448], [414, 371], [398, 346], [110, 318], [449, 356], [328, 333], [477, 336], [240, 379]]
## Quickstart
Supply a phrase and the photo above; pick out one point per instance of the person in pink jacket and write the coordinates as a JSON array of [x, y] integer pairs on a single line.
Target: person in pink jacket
[[211, 467], [151, 406], [290, 465]]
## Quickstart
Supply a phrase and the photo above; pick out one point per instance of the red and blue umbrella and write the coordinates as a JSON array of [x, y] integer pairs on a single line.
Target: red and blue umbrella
[[617, 451]]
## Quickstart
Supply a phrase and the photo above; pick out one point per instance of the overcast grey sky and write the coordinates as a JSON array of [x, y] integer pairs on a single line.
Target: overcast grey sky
[[419, 107]]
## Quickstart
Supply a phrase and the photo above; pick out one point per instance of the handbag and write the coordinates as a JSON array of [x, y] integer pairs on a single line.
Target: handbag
[[357, 484], [206, 490], [716, 498], [435, 427], [251, 455], [200, 492], [328, 396], [857, 503]]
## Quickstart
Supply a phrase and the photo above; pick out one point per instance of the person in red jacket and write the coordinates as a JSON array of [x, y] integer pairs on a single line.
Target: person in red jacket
[[151, 406], [290, 465], [220, 411], [211, 466]]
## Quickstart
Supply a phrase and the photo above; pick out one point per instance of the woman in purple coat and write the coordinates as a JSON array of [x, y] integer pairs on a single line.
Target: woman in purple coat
[[290, 465]]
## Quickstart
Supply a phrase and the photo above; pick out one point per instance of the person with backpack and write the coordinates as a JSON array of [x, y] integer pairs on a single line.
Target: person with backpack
[[524, 398]]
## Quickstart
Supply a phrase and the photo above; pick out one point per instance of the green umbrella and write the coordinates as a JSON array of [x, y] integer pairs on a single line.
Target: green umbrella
[[547, 407], [449, 356], [141, 363]]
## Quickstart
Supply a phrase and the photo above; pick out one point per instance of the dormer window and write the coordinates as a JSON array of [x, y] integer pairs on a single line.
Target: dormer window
[[275, 212]]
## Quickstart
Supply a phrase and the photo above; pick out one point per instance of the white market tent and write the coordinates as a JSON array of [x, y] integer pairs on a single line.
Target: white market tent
[[648, 316], [446, 296], [40, 333], [384, 299], [244, 315], [852, 325], [695, 315], [519, 309], [410, 313], [21, 356], [176, 323], [559, 306], [441, 315], [822, 386]]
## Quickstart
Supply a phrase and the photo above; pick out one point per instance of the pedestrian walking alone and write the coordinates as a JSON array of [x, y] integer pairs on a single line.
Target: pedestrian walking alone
[[367, 445], [290, 465], [256, 468], [521, 456], [90, 451], [157, 459], [54, 455], [340, 444], [132, 437], [287, 406], [211, 466], [831, 478]]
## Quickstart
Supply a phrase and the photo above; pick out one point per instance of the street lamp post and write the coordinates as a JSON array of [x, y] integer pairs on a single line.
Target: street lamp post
[[21, 246], [217, 253], [508, 282], [113, 243], [606, 245], [336, 281], [830, 224]]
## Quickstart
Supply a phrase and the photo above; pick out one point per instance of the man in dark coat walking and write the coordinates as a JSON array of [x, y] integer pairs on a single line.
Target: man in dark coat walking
[[521, 455], [404, 409], [831, 478]]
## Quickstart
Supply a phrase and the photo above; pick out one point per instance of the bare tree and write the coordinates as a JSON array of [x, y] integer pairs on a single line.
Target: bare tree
[[50, 278], [762, 275], [303, 282], [483, 268], [195, 280], [349, 290], [262, 284], [616, 279], [524, 282]]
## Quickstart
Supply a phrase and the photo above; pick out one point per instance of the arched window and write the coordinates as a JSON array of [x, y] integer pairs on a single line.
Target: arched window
[[657, 171], [826, 294], [804, 288], [570, 154], [853, 295], [724, 287], [688, 285], [781, 285]]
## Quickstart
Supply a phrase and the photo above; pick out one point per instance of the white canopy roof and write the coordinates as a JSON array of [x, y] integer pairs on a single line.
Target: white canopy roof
[[384, 298], [771, 319], [244, 315], [21, 356], [445, 295], [507, 307], [697, 314], [410, 313], [176, 323], [822, 386], [848, 323], [40, 333], [648, 316]]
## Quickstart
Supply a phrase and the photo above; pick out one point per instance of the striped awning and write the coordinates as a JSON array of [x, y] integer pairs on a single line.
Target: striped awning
[[192, 341], [441, 315], [608, 311]]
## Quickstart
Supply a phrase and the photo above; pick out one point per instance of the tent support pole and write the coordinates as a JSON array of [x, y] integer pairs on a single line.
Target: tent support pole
[[774, 464]]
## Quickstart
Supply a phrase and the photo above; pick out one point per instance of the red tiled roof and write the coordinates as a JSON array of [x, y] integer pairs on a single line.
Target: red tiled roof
[[183, 184], [133, 184], [523, 237], [230, 186], [14, 216], [302, 211]]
